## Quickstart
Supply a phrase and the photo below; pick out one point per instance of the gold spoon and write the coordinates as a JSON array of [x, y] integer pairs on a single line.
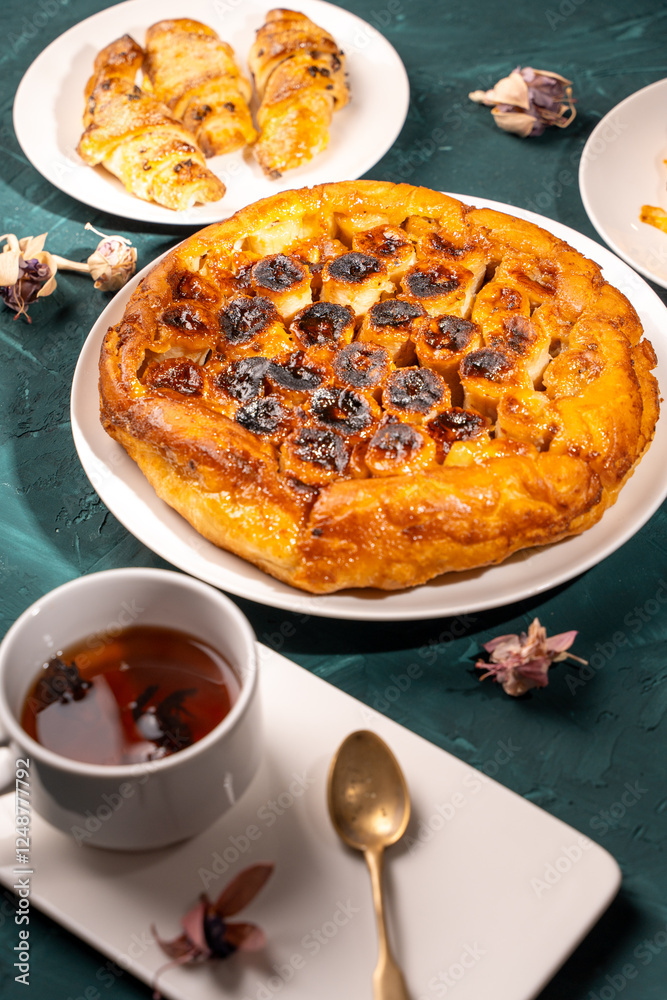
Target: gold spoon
[[369, 805]]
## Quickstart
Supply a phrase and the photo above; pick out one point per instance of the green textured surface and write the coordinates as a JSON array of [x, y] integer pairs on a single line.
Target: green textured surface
[[579, 746]]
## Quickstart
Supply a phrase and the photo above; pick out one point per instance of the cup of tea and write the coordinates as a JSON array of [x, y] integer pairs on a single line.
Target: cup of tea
[[130, 701]]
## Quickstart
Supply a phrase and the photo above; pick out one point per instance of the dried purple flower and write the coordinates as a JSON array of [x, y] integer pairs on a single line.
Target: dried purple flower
[[528, 100], [207, 934], [27, 272], [521, 662]]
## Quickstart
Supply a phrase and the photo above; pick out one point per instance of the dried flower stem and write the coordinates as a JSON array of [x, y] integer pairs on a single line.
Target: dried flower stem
[[28, 271]]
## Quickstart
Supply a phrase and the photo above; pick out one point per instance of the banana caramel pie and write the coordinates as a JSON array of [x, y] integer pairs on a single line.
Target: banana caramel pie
[[366, 384]]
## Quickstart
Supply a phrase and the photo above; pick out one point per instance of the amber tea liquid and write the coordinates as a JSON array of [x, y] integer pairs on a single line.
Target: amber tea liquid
[[142, 695]]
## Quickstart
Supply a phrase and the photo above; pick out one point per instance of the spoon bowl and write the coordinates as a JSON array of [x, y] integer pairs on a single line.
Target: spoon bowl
[[369, 806], [369, 803]]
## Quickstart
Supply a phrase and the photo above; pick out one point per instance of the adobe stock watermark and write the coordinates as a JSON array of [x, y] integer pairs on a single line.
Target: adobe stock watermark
[[399, 683], [613, 128], [568, 177], [634, 620], [607, 819], [268, 813], [376, 22], [435, 647], [565, 10], [52, 688], [444, 981], [473, 782], [108, 974], [644, 952], [420, 152], [224, 7], [311, 944], [31, 25], [109, 803], [128, 613], [555, 870], [286, 630]]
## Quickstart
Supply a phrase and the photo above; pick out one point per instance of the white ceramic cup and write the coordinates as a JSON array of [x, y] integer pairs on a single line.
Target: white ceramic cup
[[152, 804]]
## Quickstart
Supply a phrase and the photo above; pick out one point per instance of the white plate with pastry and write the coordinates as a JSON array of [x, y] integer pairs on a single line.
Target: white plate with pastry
[[128, 495], [622, 169], [49, 106]]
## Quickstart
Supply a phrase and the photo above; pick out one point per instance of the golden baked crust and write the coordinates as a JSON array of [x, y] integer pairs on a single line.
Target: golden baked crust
[[299, 74], [138, 139], [195, 74], [367, 385]]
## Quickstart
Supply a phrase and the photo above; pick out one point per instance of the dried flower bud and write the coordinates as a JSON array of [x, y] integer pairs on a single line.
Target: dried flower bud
[[521, 662], [528, 100], [207, 934], [27, 272], [113, 262]]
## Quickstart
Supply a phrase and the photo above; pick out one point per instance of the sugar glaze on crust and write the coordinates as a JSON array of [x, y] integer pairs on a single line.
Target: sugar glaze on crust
[[366, 384]]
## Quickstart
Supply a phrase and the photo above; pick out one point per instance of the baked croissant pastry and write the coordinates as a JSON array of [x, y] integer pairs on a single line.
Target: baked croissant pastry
[[368, 384], [195, 74], [137, 138], [299, 74]]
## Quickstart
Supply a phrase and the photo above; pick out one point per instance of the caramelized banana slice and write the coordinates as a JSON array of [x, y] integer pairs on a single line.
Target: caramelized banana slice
[[314, 455], [441, 288], [531, 276], [351, 222], [323, 324], [266, 417], [397, 448], [527, 341], [442, 343], [244, 379], [457, 424], [573, 372], [284, 280], [355, 279], [186, 328], [389, 244], [188, 285], [529, 416], [343, 410], [291, 378], [179, 375], [494, 304], [486, 375], [415, 393], [390, 324], [446, 251], [361, 366], [251, 326]]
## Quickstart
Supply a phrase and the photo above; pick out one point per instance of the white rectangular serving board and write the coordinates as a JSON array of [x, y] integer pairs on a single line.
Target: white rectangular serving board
[[487, 893]]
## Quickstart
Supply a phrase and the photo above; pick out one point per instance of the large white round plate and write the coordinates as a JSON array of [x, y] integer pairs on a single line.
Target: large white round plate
[[622, 169], [49, 102], [132, 500]]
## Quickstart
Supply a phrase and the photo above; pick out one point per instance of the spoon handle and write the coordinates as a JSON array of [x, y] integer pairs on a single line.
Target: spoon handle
[[388, 982]]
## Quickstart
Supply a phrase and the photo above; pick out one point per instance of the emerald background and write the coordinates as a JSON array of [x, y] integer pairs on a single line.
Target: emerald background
[[579, 745]]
